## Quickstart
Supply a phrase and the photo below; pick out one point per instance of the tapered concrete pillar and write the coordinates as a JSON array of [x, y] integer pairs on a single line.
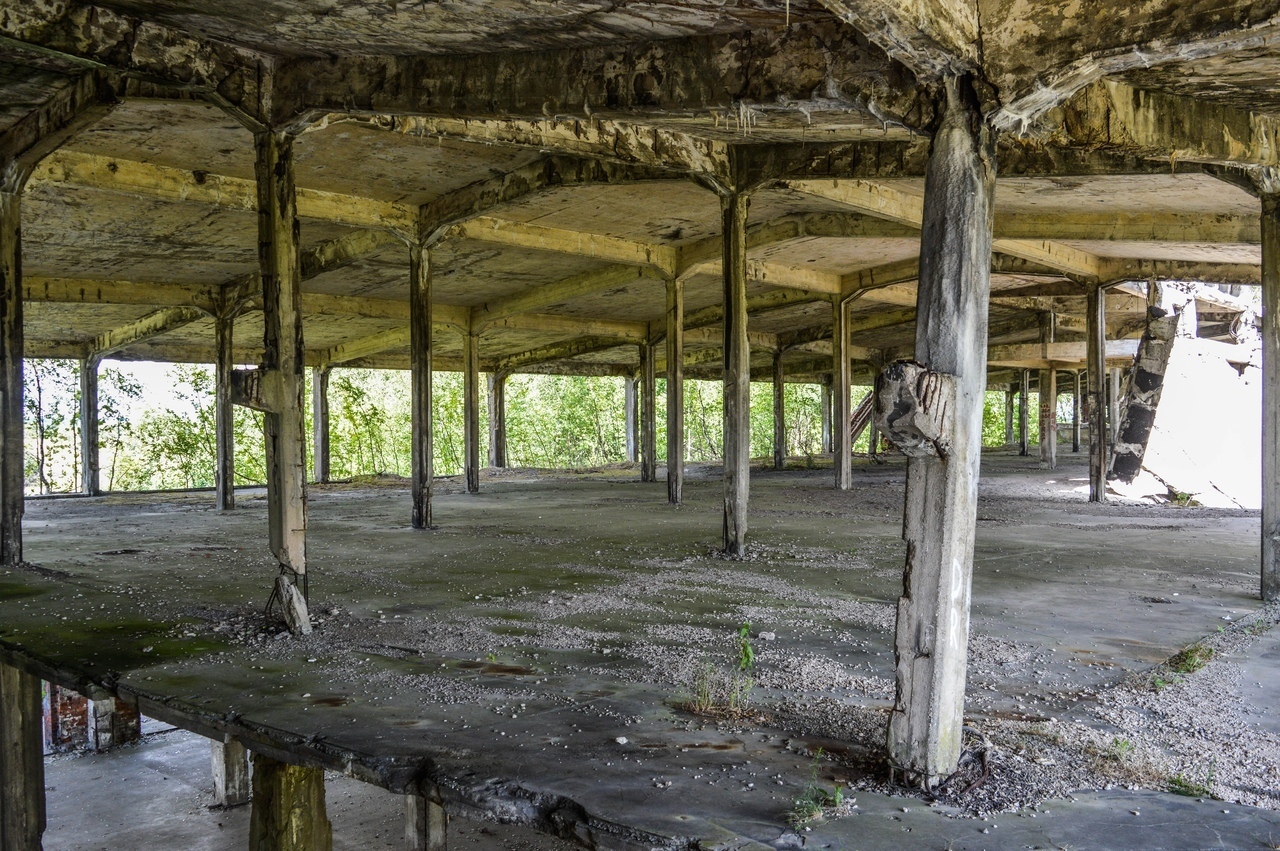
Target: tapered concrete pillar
[[841, 405], [426, 825], [631, 399], [22, 813], [320, 422], [224, 470], [779, 413], [230, 763], [282, 357], [1024, 415], [12, 460], [90, 482], [737, 374], [824, 413], [1099, 431], [648, 415], [941, 502], [675, 391], [1271, 397], [497, 419], [1010, 401], [1048, 398], [422, 451], [1075, 411], [471, 409], [288, 808]]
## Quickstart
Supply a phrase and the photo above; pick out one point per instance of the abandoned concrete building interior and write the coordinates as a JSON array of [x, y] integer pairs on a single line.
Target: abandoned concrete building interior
[[1069, 647]]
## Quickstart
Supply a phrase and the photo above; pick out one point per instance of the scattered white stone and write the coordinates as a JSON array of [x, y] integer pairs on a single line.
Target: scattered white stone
[[768, 636], [622, 740]]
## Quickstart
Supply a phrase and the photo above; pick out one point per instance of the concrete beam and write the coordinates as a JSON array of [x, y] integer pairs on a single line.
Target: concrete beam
[[556, 294], [150, 326], [663, 258]]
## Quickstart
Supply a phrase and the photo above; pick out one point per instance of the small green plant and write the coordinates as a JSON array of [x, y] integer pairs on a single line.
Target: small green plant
[[746, 653], [491, 657], [815, 798], [1119, 750], [1191, 659], [1159, 682], [1180, 784], [714, 692]]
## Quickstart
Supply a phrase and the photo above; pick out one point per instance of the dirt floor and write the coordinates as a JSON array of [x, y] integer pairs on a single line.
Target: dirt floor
[[537, 653]]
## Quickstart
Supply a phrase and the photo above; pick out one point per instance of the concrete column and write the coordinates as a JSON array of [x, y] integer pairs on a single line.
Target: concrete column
[[471, 412], [941, 502], [224, 471], [22, 814], [631, 387], [779, 413], [648, 415], [112, 722], [90, 481], [320, 422], [422, 450], [288, 808], [426, 825], [1096, 340], [825, 414], [1114, 377], [1024, 404], [12, 460], [675, 391], [1048, 399], [1075, 411], [1010, 397], [873, 430], [497, 419], [841, 404], [230, 763], [737, 374], [1271, 397], [282, 356]]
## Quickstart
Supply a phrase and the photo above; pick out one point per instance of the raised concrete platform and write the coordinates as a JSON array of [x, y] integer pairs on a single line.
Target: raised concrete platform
[[502, 656]]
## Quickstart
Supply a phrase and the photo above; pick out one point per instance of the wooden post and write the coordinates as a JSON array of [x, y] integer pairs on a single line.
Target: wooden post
[[941, 503], [90, 478], [1010, 397], [422, 450], [648, 415], [825, 414], [1270, 396], [22, 812], [497, 419], [1024, 423], [320, 422], [841, 405], [224, 471], [471, 412], [630, 388], [288, 808], [12, 460], [779, 413], [737, 374], [675, 391], [1075, 411], [426, 825], [282, 357], [1096, 334], [230, 763]]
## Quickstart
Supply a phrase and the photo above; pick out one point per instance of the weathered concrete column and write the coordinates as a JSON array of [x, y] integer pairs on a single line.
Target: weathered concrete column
[[471, 409], [423, 448], [90, 481], [648, 415], [841, 405], [1142, 400], [112, 722], [320, 422], [1024, 422], [230, 763], [675, 391], [426, 824], [1048, 399], [779, 413], [1271, 396], [224, 470], [1075, 411], [288, 808], [1114, 377], [824, 413], [282, 357], [497, 419], [932, 634], [1099, 433], [737, 374], [12, 460], [631, 399], [1010, 398], [22, 813]]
